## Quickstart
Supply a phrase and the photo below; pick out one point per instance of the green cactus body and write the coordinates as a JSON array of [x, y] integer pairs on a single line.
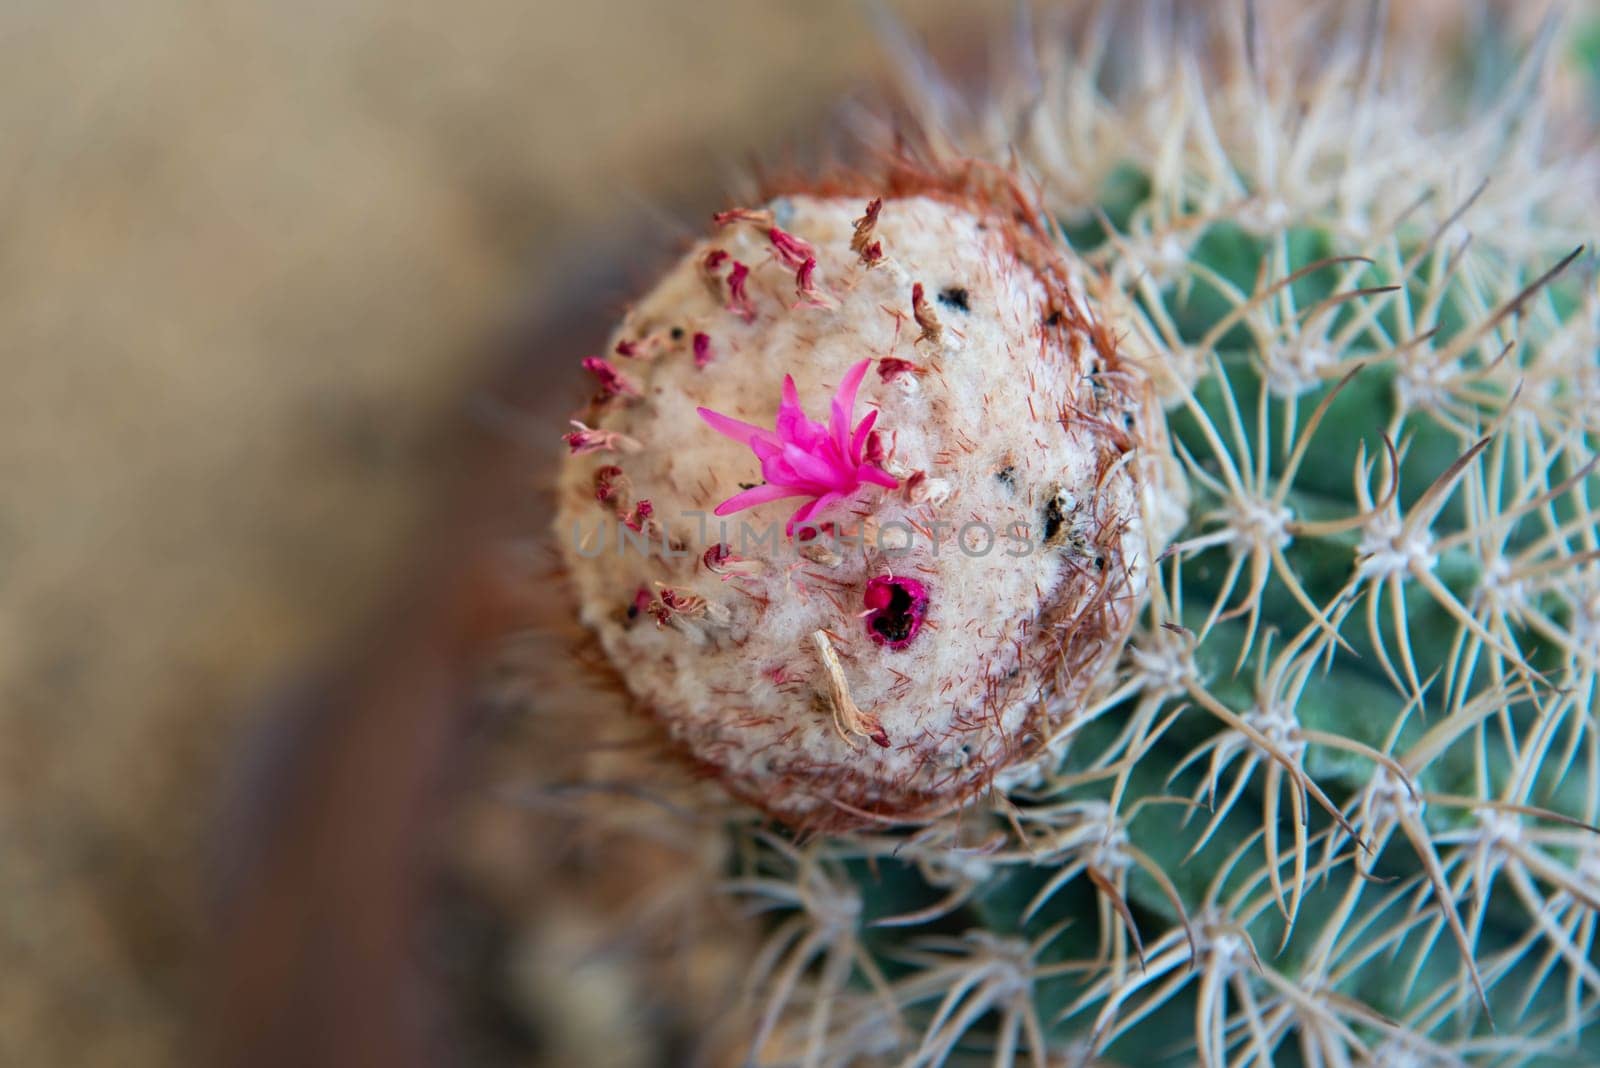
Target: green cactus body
[[1334, 802]]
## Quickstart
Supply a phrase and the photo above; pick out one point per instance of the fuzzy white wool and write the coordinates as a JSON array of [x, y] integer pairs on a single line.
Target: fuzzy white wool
[[992, 429]]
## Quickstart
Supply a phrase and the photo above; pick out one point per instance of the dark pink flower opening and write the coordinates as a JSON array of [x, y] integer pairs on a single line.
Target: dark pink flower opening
[[896, 607], [803, 458]]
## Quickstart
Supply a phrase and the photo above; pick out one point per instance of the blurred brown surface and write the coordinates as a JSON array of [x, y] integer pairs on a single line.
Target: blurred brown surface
[[248, 253]]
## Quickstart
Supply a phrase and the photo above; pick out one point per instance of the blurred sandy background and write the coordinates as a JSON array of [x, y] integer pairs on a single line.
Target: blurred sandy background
[[248, 255]]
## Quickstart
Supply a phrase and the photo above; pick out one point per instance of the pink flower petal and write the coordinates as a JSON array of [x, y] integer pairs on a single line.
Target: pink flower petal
[[737, 429], [844, 402], [765, 449], [868, 473], [752, 497], [807, 510], [810, 466], [791, 419], [863, 428]]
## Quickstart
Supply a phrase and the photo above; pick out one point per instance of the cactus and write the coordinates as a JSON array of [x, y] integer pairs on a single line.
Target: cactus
[[1262, 730]]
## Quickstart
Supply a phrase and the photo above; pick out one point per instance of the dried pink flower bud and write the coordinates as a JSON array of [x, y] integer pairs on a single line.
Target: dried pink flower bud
[[702, 348], [790, 249], [738, 297], [608, 483], [892, 367], [711, 272], [587, 439], [922, 311], [861, 242], [805, 285], [746, 215], [638, 517], [613, 383]]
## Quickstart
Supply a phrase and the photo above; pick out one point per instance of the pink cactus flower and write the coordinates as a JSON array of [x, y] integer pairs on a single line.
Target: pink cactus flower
[[802, 458], [895, 609]]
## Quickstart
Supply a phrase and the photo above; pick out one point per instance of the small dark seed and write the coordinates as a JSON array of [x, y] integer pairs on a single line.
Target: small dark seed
[[677, 333], [1053, 319], [1053, 518], [954, 297], [1007, 475]]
